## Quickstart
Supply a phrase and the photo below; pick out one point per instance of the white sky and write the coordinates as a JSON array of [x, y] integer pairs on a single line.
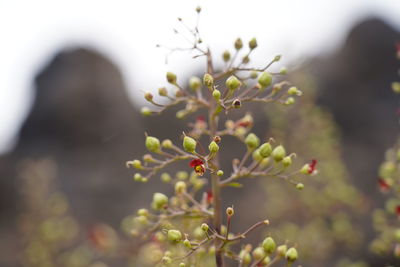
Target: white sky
[[31, 32]]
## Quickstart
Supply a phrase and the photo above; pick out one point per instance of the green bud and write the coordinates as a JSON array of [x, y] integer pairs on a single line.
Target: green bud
[[159, 201], [204, 227], [252, 141], [208, 80], [397, 235], [245, 59], [166, 144], [253, 43], [152, 144], [189, 144], [143, 212], [171, 78], [245, 256], [182, 264], [180, 187], [148, 96], [265, 79], [181, 114], [187, 243], [146, 111], [232, 83], [291, 255], [283, 71], [226, 56], [294, 91], [299, 186], [290, 101], [266, 261], [253, 74], [198, 233], [148, 158], [287, 161], [269, 245], [257, 156], [258, 253], [305, 169], [213, 147], [220, 172], [142, 220], [166, 260], [182, 175], [281, 250], [137, 177], [277, 58], [216, 94], [165, 177], [137, 164], [278, 153], [238, 44], [396, 87], [195, 83], [174, 235], [162, 91], [144, 179], [265, 150]]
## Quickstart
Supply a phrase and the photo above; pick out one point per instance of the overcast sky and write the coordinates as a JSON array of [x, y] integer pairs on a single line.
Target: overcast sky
[[127, 32]]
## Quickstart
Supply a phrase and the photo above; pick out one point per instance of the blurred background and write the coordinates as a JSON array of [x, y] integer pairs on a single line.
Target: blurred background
[[72, 79]]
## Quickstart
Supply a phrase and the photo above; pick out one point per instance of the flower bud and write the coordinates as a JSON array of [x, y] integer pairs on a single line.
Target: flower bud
[[253, 74], [152, 144], [257, 156], [305, 169], [245, 59], [258, 253], [204, 227], [220, 172], [198, 9], [146, 111], [281, 250], [236, 103], [396, 87], [137, 177], [187, 243], [253, 43], [283, 71], [299, 186], [216, 94], [269, 245], [208, 80], [397, 235], [244, 255], [162, 91], [226, 56], [148, 158], [294, 91], [165, 177], [195, 83], [159, 201], [277, 58], [213, 147], [166, 143], [287, 161], [265, 150], [182, 175], [252, 141], [143, 212], [278, 153], [238, 44], [291, 255], [166, 260], [189, 144], [174, 235], [137, 164], [289, 101], [182, 264], [148, 96], [180, 187], [232, 83], [181, 114], [265, 79], [171, 78], [230, 211], [198, 233], [144, 179]]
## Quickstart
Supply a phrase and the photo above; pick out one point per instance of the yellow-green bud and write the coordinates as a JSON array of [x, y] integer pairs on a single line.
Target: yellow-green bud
[[213, 147], [226, 56], [265, 79], [162, 91], [287, 161], [143, 212], [290, 101], [171, 78], [291, 255], [137, 177], [148, 96], [265, 150], [159, 201], [253, 43], [257, 155], [187, 243], [258, 253], [277, 58], [189, 144], [180, 187], [216, 94], [232, 83], [148, 158], [266, 261], [204, 227], [245, 256], [294, 91], [245, 59], [253, 74], [166, 143], [252, 141], [165, 177], [195, 83], [283, 71], [166, 260], [230, 211], [144, 179], [281, 250], [198, 9], [181, 114], [146, 111], [137, 164], [305, 169], [299, 186], [269, 245], [220, 172], [397, 235], [182, 175], [238, 44], [142, 220], [396, 87], [208, 80], [198, 233], [278, 153], [182, 264], [174, 235], [152, 144]]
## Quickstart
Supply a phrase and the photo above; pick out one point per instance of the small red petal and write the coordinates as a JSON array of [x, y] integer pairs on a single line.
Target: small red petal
[[201, 118], [244, 124], [383, 186], [209, 197], [398, 210], [195, 162]]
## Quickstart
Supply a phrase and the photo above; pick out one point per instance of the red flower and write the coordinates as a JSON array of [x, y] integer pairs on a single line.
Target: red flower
[[383, 185], [312, 166], [198, 166]]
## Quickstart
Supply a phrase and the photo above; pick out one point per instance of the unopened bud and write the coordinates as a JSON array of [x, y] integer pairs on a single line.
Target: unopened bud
[[265, 150], [189, 144], [198, 9], [299, 186], [146, 111], [294, 91], [396, 87], [265, 79], [232, 83], [287, 161], [283, 71], [278, 153], [277, 58], [216, 94], [230, 211], [236, 103], [182, 175], [136, 164], [137, 177], [166, 260], [159, 201], [217, 139], [174, 235], [257, 156], [195, 83], [253, 43], [165, 177], [152, 144], [281, 250], [258, 253], [213, 147], [182, 264], [148, 158], [226, 56], [143, 212], [238, 44], [220, 172], [290, 101], [162, 91], [291, 255], [245, 59], [252, 141], [204, 227], [148, 96], [269, 245], [180, 187], [166, 143], [208, 80], [254, 74], [245, 256], [171, 78], [187, 243]]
